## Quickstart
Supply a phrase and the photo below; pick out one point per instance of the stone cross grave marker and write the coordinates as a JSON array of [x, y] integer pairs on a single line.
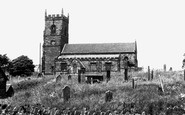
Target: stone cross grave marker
[[66, 93], [108, 96], [58, 79]]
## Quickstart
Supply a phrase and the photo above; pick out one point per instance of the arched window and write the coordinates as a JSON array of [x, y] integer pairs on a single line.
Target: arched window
[[53, 29], [125, 58]]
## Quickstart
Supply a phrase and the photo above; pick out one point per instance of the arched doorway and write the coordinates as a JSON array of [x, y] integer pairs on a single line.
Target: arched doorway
[[76, 65]]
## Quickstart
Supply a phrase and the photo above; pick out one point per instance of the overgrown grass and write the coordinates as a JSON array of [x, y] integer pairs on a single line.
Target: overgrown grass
[[92, 96]]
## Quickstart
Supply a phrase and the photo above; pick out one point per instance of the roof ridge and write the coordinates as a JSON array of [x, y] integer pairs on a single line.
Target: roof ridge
[[101, 43]]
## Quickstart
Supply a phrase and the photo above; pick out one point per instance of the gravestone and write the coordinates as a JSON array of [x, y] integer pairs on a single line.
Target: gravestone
[[152, 75], [108, 96], [133, 84], [66, 93], [148, 73], [58, 79], [126, 74], [79, 76]]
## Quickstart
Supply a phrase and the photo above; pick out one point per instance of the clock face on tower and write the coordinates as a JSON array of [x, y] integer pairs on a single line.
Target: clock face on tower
[[53, 42]]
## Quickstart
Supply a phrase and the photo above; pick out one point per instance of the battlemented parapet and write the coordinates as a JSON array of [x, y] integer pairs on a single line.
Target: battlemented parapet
[[56, 17]]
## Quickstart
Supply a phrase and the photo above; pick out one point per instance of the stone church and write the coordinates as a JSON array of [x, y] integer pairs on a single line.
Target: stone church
[[60, 56]]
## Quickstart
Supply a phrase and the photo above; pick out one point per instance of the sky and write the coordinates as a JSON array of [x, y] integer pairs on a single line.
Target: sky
[[158, 27]]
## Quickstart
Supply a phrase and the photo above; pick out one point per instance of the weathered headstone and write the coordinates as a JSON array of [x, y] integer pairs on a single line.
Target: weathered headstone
[[108, 96], [148, 73], [152, 75], [126, 74], [58, 79], [133, 84], [108, 75], [79, 76], [66, 93]]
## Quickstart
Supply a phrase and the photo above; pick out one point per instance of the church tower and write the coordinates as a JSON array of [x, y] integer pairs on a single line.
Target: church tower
[[55, 36]]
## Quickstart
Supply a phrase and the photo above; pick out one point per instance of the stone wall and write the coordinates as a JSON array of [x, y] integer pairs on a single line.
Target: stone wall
[[99, 64], [50, 55], [57, 23], [90, 65], [54, 39]]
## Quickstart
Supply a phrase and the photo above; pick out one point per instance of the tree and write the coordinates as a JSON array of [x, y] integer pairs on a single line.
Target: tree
[[22, 66], [4, 62]]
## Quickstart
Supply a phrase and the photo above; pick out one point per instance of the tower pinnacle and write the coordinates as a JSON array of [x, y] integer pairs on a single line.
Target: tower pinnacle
[[62, 12], [45, 12]]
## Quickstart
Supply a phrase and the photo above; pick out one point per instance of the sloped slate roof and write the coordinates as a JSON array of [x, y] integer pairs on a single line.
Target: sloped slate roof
[[98, 48]]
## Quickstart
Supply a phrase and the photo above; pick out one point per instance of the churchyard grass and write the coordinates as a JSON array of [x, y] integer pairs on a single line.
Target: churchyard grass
[[92, 96]]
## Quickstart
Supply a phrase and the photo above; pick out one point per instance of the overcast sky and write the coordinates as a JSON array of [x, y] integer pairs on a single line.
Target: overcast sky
[[158, 26]]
